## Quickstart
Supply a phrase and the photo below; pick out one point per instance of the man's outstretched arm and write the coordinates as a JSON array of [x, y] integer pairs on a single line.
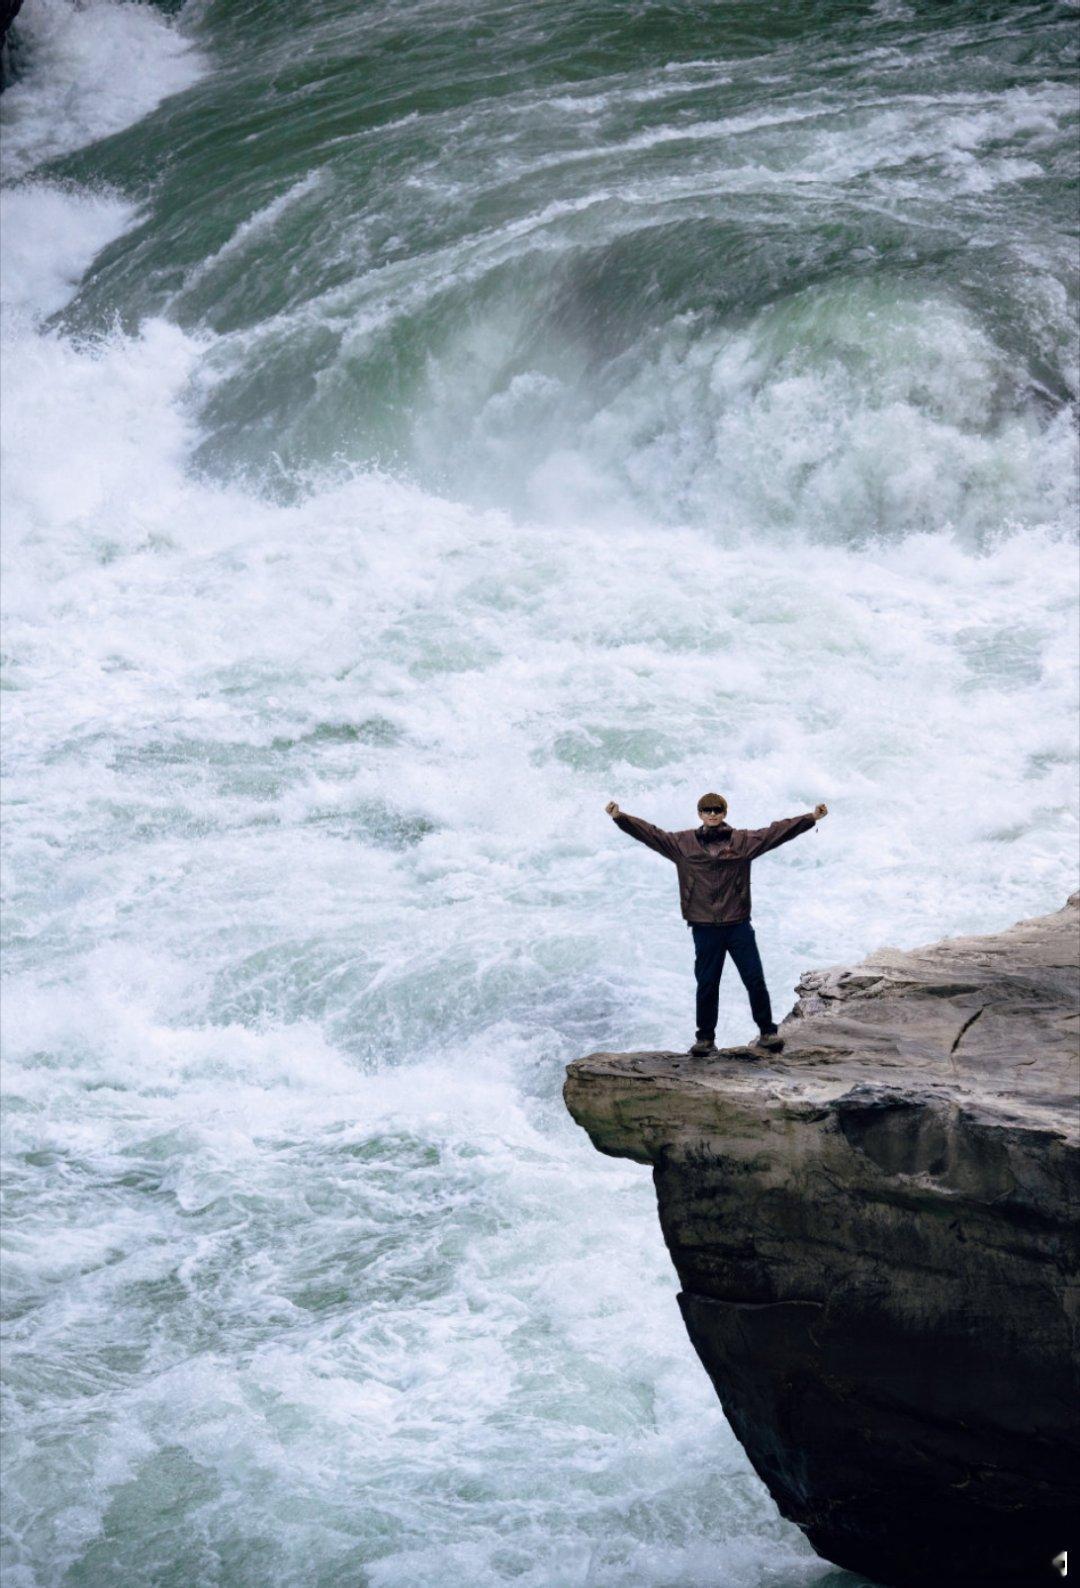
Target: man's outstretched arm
[[645, 833], [762, 839]]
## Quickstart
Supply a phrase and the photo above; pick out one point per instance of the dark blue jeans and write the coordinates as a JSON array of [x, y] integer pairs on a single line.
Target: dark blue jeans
[[712, 942]]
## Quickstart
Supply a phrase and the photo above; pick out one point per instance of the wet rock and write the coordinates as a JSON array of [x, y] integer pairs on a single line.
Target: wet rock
[[9, 10], [875, 1236]]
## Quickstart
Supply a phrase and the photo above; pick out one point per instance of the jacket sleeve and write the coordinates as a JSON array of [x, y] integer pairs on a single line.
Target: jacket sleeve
[[646, 833], [760, 840]]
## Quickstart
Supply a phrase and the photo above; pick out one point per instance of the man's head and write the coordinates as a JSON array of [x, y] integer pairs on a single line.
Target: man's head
[[712, 808]]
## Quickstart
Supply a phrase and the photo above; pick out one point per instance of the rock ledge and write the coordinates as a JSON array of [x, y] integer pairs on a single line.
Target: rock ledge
[[875, 1238]]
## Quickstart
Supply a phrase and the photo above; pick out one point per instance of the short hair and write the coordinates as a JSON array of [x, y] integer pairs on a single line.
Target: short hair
[[716, 801]]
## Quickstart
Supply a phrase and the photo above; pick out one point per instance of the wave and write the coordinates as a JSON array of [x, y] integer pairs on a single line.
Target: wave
[[829, 314]]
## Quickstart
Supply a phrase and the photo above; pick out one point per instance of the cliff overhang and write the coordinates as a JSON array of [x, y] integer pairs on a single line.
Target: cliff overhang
[[875, 1238]]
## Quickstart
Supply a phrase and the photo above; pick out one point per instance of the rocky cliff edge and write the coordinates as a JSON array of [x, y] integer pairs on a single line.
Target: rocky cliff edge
[[875, 1236]]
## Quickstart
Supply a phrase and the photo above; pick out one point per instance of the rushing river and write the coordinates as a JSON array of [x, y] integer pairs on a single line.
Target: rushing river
[[425, 422]]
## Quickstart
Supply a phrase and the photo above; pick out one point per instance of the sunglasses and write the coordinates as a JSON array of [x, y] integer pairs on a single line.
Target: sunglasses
[[711, 810]]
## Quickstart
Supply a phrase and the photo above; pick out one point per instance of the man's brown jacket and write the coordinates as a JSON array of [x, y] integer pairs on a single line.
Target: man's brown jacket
[[714, 877]]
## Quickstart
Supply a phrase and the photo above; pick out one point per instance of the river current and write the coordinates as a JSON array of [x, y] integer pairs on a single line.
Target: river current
[[423, 423]]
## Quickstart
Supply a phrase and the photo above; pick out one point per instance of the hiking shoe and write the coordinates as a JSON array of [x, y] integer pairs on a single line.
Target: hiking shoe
[[703, 1050], [769, 1042]]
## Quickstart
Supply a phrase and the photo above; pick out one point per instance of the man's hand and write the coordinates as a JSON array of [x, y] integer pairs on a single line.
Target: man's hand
[[611, 808], [820, 811]]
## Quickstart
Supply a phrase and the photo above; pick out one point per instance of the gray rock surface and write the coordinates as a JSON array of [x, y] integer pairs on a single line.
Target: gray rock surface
[[875, 1236]]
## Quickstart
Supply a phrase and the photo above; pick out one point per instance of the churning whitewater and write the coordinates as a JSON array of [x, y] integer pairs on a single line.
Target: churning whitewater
[[423, 424]]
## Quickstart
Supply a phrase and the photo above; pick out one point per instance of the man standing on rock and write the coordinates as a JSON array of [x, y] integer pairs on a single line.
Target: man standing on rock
[[713, 863]]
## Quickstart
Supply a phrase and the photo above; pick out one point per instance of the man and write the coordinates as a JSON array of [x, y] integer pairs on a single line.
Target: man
[[713, 864]]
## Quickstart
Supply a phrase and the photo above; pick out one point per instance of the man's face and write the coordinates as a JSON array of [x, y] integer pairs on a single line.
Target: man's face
[[710, 817]]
